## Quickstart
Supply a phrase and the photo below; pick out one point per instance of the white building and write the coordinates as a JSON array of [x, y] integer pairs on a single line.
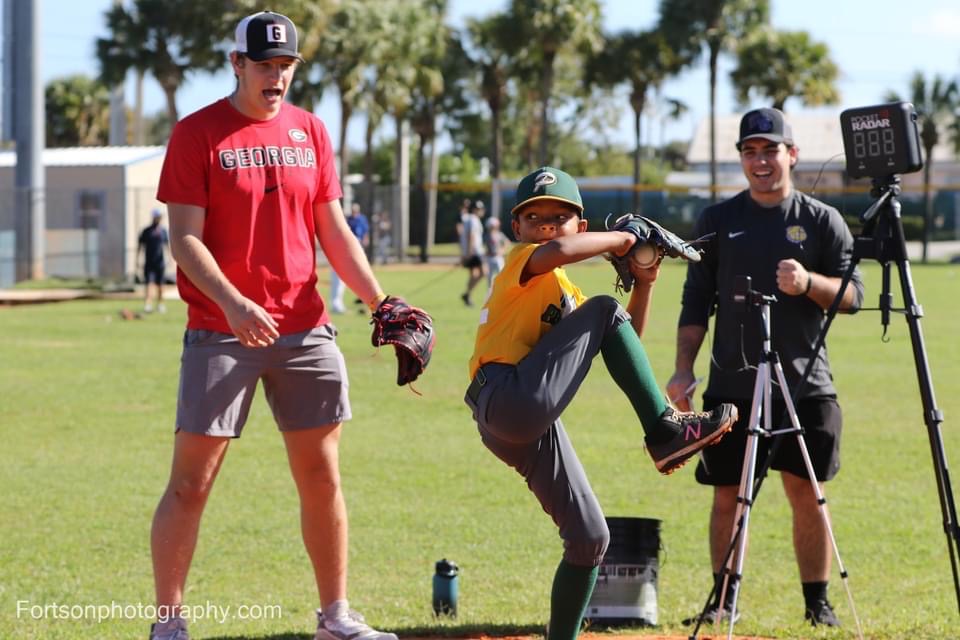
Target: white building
[[96, 199]]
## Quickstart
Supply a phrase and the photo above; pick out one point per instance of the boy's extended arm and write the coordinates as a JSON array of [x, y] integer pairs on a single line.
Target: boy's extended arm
[[576, 247]]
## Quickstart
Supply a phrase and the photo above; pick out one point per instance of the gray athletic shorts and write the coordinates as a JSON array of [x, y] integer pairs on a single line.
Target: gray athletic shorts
[[304, 377]]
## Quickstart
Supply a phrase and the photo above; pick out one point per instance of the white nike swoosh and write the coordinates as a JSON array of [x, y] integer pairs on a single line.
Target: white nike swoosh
[[734, 234]]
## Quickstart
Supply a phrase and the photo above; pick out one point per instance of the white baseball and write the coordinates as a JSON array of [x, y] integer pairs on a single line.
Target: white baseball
[[645, 256]]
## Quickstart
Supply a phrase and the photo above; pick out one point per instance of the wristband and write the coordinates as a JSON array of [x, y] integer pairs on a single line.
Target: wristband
[[809, 283], [373, 304]]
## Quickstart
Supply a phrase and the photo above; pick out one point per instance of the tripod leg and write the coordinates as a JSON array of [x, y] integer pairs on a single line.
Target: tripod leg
[[821, 500], [758, 409], [932, 416], [738, 534]]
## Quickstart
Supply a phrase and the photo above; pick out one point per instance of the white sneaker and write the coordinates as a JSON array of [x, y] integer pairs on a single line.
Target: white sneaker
[[161, 308], [337, 307], [177, 630], [148, 307], [349, 627]]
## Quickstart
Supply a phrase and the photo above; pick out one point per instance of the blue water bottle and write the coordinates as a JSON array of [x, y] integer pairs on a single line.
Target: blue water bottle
[[446, 588]]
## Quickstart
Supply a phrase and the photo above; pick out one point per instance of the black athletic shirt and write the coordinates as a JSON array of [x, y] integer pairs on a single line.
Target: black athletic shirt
[[154, 238], [750, 240]]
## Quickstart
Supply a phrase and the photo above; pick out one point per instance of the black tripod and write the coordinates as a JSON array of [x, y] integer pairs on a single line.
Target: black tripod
[[769, 370], [882, 239]]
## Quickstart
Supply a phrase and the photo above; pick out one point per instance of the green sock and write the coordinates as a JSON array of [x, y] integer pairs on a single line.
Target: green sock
[[627, 363], [572, 588]]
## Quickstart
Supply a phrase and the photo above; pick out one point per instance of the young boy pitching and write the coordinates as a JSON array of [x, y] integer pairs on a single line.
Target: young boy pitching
[[537, 338]]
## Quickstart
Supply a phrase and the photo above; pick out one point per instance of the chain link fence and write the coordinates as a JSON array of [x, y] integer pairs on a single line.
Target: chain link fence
[[92, 233]]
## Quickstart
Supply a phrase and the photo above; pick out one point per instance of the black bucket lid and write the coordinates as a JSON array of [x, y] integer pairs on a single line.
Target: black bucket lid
[[633, 540], [447, 568]]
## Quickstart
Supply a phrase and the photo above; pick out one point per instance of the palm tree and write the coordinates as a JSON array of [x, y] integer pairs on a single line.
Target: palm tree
[[313, 29], [495, 40], [549, 26], [374, 105], [936, 102], [436, 67], [166, 38], [398, 68], [784, 64], [643, 61], [720, 25], [78, 112], [672, 109], [345, 47]]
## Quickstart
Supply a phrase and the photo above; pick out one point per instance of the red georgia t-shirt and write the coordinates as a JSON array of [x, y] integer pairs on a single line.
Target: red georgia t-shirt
[[258, 181]]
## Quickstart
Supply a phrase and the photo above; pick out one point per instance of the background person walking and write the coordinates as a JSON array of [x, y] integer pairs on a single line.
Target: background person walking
[[154, 242], [471, 249]]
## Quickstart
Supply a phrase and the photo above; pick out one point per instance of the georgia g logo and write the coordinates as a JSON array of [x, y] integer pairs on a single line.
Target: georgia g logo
[[276, 33], [543, 180]]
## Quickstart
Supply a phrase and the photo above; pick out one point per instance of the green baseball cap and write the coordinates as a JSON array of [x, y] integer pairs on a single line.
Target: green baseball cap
[[548, 182]]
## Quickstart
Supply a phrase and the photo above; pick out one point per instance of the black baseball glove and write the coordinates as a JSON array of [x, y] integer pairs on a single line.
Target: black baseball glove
[[409, 330], [664, 242]]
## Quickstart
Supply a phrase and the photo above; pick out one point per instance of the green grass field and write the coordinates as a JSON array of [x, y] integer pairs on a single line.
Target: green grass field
[[86, 411]]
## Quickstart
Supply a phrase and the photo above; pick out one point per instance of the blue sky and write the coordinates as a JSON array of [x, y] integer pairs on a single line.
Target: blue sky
[[877, 44]]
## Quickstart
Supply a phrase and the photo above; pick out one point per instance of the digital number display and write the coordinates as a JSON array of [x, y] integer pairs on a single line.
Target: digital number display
[[873, 143], [881, 141]]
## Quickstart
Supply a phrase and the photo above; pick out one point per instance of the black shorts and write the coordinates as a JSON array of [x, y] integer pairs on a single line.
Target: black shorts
[[153, 273], [822, 423], [472, 262]]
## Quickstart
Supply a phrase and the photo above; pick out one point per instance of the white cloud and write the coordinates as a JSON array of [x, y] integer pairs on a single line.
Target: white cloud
[[942, 23]]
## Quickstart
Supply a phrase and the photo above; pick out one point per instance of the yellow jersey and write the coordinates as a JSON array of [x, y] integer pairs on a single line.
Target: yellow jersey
[[515, 316]]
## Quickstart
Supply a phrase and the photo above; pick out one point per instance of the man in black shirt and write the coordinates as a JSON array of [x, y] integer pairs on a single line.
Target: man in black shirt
[[796, 248], [154, 241]]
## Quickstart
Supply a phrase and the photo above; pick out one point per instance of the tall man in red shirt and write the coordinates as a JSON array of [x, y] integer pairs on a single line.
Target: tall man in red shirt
[[250, 185]]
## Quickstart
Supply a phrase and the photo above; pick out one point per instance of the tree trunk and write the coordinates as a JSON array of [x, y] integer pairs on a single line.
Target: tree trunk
[[530, 140], [927, 204], [345, 112], [495, 205], [171, 94], [432, 195], [421, 199], [138, 136], [546, 88], [496, 143], [368, 206], [637, 103], [402, 186], [419, 172], [714, 54]]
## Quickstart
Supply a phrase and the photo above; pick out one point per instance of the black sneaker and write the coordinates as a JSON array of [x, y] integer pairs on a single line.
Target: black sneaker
[[821, 612], [693, 431], [466, 299], [712, 615]]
